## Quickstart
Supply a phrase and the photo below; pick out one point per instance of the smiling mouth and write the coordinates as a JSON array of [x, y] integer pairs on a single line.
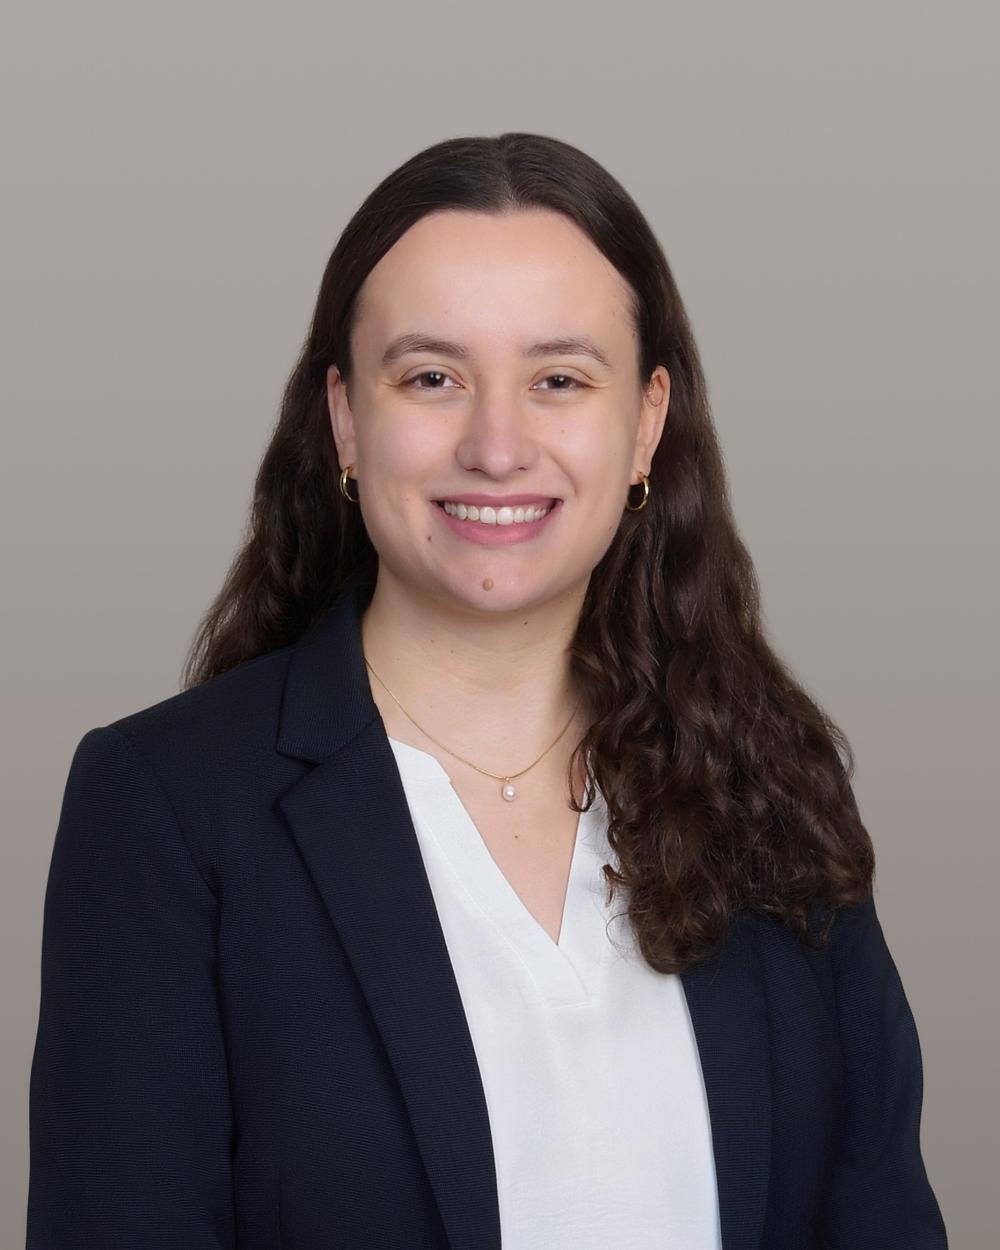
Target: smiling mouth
[[547, 503], [502, 515]]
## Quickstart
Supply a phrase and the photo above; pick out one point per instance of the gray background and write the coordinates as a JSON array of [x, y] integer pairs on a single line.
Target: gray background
[[823, 179]]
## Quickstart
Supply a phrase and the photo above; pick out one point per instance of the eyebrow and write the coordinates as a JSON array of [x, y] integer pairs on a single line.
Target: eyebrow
[[568, 345]]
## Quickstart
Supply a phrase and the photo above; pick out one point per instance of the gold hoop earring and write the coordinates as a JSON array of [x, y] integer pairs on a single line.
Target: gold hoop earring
[[343, 484], [645, 494]]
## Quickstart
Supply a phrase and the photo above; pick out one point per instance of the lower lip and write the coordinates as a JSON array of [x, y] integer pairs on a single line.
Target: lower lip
[[496, 535]]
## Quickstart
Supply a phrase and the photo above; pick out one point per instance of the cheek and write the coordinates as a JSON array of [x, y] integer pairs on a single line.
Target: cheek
[[405, 449], [596, 466], [599, 477], [400, 474]]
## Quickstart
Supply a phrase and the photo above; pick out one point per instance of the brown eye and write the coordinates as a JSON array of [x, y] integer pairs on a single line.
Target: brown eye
[[575, 383], [427, 373]]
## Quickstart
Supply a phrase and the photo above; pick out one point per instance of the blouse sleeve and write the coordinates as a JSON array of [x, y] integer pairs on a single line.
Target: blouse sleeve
[[878, 1197], [129, 1110]]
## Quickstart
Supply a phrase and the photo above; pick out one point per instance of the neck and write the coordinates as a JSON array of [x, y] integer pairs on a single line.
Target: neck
[[494, 687]]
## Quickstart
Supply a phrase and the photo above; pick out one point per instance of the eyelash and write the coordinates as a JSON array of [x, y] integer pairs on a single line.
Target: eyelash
[[577, 384]]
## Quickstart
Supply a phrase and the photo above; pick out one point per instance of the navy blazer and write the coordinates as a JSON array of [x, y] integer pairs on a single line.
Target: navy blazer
[[251, 1037]]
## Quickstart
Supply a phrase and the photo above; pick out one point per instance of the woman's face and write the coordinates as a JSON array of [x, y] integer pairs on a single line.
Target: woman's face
[[468, 388]]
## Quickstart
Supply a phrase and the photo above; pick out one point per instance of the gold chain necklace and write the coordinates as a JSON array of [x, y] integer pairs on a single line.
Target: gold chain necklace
[[507, 790]]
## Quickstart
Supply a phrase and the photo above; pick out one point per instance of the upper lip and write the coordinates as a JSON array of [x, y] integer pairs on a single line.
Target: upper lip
[[498, 501]]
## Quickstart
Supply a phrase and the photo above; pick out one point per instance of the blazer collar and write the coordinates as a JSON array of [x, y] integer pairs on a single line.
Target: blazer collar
[[327, 697], [350, 818]]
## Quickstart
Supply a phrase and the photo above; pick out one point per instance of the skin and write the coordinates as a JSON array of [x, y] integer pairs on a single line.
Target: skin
[[472, 639]]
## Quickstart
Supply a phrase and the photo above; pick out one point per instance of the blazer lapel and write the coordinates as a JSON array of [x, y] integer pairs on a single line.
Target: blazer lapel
[[351, 821], [728, 1009]]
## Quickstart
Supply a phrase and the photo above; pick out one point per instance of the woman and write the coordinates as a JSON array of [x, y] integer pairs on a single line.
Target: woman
[[492, 881]]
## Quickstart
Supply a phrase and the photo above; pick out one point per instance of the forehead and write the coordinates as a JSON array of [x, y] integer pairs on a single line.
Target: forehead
[[495, 279]]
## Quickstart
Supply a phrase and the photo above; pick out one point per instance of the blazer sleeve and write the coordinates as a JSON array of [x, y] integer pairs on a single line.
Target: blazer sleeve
[[878, 1196], [129, 1110]]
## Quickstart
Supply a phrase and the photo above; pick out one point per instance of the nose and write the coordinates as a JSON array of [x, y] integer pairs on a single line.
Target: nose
[[498, 438]]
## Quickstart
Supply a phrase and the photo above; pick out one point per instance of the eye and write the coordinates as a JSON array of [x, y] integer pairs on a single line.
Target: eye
[[565, 377], [416, 381], [427, 373]]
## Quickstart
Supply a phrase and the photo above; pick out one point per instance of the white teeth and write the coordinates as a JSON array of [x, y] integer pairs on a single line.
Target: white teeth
[[495, 516]]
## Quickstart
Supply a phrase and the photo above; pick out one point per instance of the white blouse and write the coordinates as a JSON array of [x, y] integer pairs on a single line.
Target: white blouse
[[589, 1063]]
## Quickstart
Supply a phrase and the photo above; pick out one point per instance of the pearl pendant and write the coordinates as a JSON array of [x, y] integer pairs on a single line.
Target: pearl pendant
[[509, 791]]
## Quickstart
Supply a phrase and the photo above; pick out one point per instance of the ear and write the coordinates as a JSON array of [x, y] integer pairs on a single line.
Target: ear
[[341, 418], [652, 417]]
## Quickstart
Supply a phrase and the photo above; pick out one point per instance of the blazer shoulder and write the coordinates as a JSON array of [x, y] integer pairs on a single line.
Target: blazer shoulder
[[842, 925], [205, 750], [787, 955], [240, 707]]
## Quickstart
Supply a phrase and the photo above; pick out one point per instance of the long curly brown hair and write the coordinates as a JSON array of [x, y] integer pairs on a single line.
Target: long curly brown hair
[[727, 786]]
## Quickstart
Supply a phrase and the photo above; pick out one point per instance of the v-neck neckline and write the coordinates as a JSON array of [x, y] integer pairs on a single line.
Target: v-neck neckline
[[553, 967]]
